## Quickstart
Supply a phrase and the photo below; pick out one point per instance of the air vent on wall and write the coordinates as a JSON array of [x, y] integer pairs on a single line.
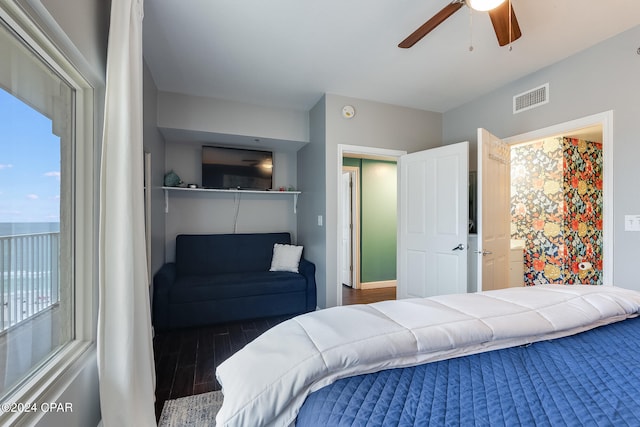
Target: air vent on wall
[[531, 99]]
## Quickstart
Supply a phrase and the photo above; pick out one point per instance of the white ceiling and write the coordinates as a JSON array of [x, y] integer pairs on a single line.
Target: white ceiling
[[287, 53]]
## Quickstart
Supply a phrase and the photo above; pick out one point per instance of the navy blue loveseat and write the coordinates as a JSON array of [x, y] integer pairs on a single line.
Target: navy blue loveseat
[[220, 278]]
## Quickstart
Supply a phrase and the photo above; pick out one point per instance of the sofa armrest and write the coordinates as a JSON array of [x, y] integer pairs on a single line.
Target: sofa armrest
[[163, 280], [308, 270]]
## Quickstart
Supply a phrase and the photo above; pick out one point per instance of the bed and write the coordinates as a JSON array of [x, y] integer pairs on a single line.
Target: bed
[[553, 355], [595, 381]]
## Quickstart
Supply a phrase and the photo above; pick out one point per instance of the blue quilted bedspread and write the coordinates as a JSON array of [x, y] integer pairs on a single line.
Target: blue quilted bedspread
[[591, 379]]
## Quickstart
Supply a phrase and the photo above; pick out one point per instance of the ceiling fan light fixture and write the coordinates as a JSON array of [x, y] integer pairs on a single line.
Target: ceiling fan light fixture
[[484, 5]]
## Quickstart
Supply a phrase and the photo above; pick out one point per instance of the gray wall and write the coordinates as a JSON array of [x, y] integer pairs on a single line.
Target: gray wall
[[375, 125], [177, 111], [154, 143], [197, 212], [311, 181], [599, 79], [188, 123], [86, 23]]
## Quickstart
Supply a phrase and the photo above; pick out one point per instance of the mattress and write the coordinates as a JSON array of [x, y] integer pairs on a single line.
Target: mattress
[[592, 378]]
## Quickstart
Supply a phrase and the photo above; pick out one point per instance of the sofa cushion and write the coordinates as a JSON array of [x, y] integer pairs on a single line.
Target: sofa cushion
[[235, 285], [205, 254], [286, 258]]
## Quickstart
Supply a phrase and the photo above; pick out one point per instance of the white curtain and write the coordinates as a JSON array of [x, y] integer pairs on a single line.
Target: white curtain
[[125, 350]]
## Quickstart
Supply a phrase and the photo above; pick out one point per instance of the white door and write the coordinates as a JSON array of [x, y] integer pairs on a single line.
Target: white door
[[494, 211], [433, 221], [346, 229]]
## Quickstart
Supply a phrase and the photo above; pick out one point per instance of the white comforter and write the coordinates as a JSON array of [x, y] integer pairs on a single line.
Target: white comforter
[[266, 382]]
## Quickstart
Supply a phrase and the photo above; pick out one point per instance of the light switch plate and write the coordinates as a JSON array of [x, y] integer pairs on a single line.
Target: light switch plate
[[632, 223]]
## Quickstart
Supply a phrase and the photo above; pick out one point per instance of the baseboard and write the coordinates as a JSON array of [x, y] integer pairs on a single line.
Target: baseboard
[[377, 285]]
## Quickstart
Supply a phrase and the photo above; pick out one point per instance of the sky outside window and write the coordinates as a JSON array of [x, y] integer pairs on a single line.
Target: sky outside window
[[29, 164]]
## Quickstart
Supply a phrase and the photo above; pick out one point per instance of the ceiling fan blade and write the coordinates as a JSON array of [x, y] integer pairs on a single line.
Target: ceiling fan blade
[[500, 20], [431, 24]]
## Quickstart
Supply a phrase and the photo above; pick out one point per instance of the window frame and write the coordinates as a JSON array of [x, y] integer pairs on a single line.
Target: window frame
[[53, 374]]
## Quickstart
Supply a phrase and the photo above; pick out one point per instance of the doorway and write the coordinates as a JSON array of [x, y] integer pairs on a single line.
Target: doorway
[[350, 226], [566, 241], [369, 228], [556, 208], [372, 281]]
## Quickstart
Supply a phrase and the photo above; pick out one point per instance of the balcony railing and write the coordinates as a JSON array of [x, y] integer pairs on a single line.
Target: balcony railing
[[29, 275]]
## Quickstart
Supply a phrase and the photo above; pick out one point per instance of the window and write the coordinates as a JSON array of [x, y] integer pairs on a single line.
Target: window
[[43, 214]]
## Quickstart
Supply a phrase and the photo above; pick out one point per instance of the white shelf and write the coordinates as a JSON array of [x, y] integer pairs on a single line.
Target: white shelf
[[295, 194]]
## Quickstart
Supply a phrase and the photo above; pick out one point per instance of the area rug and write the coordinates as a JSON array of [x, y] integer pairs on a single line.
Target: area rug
[[191, 411]]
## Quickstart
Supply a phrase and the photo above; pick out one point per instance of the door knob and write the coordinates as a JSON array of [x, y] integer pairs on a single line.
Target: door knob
[[460, 247]]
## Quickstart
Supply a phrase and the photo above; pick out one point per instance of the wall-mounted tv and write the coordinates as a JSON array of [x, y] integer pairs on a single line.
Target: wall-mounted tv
[[236, 168]]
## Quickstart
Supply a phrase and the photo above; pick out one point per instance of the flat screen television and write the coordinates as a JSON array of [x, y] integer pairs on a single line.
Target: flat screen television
[[236, 168]]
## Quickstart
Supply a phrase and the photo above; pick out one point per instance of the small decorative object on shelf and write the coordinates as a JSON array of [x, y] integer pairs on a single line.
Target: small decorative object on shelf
[[171, 179]]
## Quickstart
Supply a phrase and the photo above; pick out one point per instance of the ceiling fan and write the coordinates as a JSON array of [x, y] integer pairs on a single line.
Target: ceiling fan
[[499, 11]]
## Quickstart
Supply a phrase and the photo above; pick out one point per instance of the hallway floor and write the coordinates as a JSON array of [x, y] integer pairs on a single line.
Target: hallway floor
[[366, 296]]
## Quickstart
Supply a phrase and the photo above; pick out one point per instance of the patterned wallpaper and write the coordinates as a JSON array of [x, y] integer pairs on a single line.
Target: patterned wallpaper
[[556, 208]]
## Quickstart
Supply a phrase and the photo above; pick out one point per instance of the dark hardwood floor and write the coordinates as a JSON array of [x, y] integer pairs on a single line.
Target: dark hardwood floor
[[186, 359]]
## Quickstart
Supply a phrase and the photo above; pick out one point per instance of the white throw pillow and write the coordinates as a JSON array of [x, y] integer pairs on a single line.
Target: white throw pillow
[[285, 258]]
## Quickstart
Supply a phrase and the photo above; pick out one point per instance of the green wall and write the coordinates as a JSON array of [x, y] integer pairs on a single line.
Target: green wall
[[349, 161], [378, 218]]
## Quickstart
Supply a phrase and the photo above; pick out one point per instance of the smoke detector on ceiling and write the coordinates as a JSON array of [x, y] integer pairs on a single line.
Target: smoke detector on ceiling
[[348, 111]]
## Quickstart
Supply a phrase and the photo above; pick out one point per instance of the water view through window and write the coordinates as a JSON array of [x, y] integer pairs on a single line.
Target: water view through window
[[35, 317]]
